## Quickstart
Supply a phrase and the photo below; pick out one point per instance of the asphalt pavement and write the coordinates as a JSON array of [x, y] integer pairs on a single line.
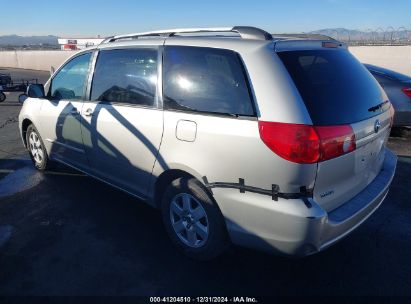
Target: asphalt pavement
[[63, 233]]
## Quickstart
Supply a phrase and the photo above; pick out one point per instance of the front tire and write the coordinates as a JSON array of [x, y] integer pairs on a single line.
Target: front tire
[[192, 220], [36, 148]]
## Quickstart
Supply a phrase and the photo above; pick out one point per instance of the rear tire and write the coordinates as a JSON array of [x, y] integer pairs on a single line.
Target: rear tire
[[192, 220], [2, 97], [36, 148]]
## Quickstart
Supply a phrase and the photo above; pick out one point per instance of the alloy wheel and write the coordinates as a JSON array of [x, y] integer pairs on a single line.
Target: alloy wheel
[[36, 148], [189, 220]]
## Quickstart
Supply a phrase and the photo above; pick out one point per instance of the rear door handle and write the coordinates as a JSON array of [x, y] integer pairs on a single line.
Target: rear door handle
[[88, 112]]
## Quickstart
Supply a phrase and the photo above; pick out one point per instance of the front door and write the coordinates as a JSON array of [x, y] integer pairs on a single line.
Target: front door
[[123, 126], [61, 120]]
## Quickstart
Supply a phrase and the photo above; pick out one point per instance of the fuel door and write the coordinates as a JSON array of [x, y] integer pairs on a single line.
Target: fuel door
[[186, 130]]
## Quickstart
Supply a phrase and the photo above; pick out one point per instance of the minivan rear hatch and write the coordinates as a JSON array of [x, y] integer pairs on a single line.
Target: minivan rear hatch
[[339, 91]]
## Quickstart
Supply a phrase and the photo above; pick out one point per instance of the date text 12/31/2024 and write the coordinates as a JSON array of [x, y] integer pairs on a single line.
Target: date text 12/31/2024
[[203, 300]]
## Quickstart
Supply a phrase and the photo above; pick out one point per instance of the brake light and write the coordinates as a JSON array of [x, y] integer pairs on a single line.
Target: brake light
[[296, 143], [407, 91], [331, 45], [307, 144]]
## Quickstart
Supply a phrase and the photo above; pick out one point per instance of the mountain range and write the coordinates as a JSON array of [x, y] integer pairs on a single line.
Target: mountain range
[[28, 40]]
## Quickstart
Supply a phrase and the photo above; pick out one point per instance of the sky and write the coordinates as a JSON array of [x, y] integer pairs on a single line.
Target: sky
[[89, 18]]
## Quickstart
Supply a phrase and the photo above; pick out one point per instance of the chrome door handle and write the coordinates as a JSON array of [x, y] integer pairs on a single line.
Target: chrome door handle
[[88, 112]]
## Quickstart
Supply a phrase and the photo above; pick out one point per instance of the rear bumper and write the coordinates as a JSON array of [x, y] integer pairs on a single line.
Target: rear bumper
[[347, 217], [290, 227]]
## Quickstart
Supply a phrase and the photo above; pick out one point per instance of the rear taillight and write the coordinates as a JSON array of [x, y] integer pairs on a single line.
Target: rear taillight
[[307, 144], [407, 91], [335, 141], [296, 143]]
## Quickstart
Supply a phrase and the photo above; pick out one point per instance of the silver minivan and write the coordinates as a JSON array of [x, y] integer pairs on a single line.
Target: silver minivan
[[237, 136]]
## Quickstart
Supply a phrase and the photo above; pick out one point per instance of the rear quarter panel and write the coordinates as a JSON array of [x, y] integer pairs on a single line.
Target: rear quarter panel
[[226, 149]]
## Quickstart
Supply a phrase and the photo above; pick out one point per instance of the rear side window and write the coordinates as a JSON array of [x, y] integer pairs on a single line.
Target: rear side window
[[125, 76], [335, 87], [205, 80]]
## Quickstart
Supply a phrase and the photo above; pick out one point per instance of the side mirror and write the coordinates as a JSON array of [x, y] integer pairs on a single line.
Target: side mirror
[[35, 91], [22, 98], [52, 70]]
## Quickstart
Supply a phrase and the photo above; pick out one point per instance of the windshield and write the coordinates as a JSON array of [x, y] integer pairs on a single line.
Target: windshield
[[335, 87]]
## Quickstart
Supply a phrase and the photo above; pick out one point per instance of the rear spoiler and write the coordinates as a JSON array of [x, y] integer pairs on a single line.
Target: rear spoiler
[[302, 36], [307, 44]]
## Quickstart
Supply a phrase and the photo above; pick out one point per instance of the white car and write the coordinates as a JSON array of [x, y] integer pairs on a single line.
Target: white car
[[275, 143]]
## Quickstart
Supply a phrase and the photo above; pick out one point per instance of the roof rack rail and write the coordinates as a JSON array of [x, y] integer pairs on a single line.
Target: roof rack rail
[[304, 36], [245, 32]]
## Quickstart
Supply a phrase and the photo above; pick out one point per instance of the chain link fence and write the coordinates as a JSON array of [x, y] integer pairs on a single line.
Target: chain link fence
[[376, 36]]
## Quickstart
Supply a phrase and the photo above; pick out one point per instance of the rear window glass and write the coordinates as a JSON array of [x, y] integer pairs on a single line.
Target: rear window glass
[[335, 87], [205, 80]]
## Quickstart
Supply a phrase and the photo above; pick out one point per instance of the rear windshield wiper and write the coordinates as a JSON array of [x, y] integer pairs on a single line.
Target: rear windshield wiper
[[378, 106]]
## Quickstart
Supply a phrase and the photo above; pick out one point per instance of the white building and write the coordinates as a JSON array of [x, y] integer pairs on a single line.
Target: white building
[[70, 44]]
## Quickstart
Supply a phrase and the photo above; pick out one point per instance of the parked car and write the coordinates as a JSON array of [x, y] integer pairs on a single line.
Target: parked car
[[274, 143], [398, 88], [5, 79]]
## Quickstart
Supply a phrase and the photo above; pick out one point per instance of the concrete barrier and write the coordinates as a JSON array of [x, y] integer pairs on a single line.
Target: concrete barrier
[[33, 60], [397, 58]]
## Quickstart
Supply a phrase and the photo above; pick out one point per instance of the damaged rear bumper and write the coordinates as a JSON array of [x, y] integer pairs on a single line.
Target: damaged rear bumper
[[289, 226]]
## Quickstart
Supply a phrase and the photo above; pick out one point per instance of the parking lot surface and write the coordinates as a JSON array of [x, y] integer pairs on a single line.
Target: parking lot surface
[[62, 233]]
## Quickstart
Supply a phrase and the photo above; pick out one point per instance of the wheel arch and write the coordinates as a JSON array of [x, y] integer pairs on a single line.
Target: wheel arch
[[164, 180], [24, 126]]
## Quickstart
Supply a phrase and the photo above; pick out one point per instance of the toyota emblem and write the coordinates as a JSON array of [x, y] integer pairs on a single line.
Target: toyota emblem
[[377, 125]]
